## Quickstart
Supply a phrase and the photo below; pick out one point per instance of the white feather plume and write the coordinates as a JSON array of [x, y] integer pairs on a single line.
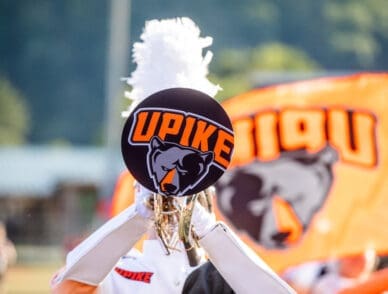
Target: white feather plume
[[170, 55]]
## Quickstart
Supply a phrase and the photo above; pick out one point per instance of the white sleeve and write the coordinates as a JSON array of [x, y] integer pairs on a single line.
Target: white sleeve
[[304, 275], [95, 257], [239, 265]]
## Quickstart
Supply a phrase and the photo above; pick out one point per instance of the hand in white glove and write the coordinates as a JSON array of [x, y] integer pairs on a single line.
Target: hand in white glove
[[142, 201], [202, 220]]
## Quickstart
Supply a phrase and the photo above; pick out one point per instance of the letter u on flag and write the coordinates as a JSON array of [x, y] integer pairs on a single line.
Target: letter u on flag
[[308, 178]]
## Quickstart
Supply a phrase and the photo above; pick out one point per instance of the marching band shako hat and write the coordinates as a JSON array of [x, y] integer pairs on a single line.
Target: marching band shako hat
[[177, 139], [177, 142]]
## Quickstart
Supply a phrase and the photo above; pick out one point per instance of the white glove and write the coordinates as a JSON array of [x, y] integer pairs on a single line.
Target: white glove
[[142, 200], [202, 220]]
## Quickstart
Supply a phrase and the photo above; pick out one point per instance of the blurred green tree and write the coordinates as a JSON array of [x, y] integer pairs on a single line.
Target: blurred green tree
[[357, 29], [234, 68], [14, 116], [54, 51], [276, 56]]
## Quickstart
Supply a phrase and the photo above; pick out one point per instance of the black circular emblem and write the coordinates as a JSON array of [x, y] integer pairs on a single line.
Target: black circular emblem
[[177, 142]]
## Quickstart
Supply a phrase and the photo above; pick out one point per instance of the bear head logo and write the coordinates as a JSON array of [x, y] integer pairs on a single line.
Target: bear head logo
[[301, 179], [175, 168]]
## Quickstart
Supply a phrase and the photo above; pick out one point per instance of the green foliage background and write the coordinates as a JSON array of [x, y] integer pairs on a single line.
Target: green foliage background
[[14, 116], [54, 51]]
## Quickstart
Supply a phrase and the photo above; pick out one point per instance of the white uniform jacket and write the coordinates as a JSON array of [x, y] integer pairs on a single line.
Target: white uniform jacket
[[102, 261]]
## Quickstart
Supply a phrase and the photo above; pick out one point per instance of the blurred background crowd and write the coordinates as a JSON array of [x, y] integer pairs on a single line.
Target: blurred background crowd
[[61, 98]]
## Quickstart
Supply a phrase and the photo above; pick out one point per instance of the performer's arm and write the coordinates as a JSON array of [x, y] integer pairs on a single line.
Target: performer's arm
[[91, 261], [239, 265]]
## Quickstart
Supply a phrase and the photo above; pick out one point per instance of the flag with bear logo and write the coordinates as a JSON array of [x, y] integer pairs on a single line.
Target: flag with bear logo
[[308, 176]]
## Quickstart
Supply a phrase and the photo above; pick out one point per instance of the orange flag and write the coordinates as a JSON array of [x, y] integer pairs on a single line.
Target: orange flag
[[123, 194], [308, 178], [308, 175]]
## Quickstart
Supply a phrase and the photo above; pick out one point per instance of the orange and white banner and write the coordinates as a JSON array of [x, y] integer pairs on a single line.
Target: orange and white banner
[[308, 178]]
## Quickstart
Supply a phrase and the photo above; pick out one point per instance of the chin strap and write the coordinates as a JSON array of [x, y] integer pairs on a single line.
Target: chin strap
[[92, 260], [244, 271]]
